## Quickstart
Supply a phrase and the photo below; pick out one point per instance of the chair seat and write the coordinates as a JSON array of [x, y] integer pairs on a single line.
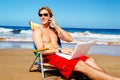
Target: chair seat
[[44, 64], [47, 66]]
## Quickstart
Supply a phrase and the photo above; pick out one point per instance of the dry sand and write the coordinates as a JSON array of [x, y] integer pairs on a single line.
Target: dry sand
[[15, 63]]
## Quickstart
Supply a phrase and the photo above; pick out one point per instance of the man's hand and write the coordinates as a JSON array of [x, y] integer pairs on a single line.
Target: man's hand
[[67, 50], [53, 22]]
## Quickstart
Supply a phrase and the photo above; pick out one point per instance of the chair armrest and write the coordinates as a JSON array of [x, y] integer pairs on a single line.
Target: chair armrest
[[42, 49]]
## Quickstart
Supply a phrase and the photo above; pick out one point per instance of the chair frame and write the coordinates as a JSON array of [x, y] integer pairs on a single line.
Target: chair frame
[[38, 55], [40, 64]]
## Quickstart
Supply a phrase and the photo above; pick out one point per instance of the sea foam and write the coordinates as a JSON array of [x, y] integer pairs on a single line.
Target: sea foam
[[7, 34]]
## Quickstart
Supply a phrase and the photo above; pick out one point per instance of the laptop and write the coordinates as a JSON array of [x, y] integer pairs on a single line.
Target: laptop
[[80, 50]]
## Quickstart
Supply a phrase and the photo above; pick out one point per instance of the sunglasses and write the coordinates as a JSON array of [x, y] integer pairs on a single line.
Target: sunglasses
[[45, 14]]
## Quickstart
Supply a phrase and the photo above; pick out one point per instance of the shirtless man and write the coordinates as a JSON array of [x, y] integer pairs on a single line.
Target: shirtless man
[[46, 36]]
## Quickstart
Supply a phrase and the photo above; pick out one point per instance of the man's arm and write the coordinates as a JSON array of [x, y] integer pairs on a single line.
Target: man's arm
[[61, 33], [37, 38]]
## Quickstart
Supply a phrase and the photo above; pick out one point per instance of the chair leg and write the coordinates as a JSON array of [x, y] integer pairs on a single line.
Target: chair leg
[[33, 62], [42, 69], [41, 61]]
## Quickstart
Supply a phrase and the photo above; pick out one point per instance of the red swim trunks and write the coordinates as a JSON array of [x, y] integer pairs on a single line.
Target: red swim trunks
[[64, 66]]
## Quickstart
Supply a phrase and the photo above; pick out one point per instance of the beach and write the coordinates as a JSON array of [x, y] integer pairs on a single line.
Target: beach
[[15, 63], [16, 50]]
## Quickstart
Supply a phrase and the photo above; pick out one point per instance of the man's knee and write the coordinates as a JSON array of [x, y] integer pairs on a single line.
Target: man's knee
[[90, 60], [79, 65]]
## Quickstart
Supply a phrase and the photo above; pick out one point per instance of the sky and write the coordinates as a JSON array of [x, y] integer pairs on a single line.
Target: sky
[[67, 13]]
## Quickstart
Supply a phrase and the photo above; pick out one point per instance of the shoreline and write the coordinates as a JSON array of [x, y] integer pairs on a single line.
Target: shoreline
[[15, 63], [74, 41], [113, 50]]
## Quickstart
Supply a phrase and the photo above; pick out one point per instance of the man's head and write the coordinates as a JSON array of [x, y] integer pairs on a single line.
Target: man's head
[[46, 8], [45, 15]]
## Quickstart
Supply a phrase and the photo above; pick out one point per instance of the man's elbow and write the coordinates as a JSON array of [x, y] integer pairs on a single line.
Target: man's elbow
[[70, 40]]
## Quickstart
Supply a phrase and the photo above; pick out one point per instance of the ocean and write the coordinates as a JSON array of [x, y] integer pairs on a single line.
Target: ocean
[[20, 37], [23, 33]]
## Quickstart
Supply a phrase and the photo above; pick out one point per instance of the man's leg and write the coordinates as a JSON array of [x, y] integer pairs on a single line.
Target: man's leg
[[91, 62], [93, 73]]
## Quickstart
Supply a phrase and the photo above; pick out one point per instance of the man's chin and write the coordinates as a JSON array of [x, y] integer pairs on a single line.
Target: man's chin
[[44, 23]]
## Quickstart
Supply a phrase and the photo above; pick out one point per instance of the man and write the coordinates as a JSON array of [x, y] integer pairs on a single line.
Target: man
[[46, 36]]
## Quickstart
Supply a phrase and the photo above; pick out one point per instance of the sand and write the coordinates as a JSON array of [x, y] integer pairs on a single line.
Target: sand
[[15, 63]]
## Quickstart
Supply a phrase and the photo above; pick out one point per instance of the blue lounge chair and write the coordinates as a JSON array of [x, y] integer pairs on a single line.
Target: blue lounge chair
[[38, 60]]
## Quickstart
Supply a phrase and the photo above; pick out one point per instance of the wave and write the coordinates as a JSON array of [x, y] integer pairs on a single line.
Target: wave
[[99, 38], [7, 34], [14, 31], [4, 30]]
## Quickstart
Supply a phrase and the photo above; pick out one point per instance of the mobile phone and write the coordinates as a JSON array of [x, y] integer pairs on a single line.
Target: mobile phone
[[49, 20]]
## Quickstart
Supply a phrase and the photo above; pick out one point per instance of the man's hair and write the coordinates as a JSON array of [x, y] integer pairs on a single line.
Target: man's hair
[[46, 8]]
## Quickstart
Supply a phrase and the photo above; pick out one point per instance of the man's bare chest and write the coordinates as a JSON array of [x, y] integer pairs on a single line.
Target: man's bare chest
[[49, 37]]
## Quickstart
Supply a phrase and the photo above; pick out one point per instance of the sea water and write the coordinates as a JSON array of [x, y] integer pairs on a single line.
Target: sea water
[[23, 33], [20, 37]]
